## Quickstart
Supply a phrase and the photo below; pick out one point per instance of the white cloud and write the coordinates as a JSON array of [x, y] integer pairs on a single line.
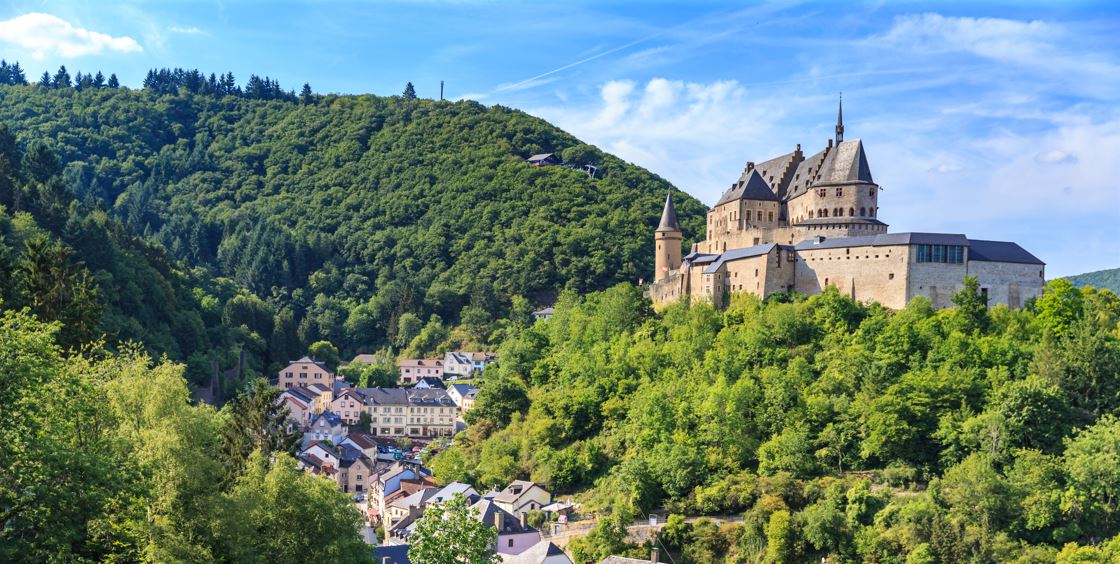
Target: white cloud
[[946, 168], [44, 34], [192, 30], [1055, 157]]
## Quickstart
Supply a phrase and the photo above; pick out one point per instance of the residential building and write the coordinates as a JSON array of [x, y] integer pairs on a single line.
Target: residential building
[[522, 496], [326, 427], [466, 364], [412, 369], [431, 413], [388, 409], [363, 441], [544, 552], [514, 534], [430, 383], [544, 159], [349, 405], [354, 469], [304, 372], [299, 402], [463, 395], [544, 313]]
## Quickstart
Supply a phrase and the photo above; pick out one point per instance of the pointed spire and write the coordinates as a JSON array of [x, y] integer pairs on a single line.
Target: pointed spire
[[669, 216], [840, 121]]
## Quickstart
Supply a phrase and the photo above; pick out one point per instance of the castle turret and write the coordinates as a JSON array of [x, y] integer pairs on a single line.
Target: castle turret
[[667, 239]]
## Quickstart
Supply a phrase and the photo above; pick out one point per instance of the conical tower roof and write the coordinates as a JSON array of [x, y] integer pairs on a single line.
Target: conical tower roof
[[669, 216]]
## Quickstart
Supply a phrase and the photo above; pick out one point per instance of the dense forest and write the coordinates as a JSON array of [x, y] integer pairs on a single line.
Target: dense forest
[[1109, 279], [300, 218], [836, 429]]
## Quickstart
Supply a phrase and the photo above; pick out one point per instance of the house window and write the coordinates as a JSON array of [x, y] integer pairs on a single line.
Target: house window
[[770, 216], [839, 192], [822, 192], [510, 541], [759, 215]]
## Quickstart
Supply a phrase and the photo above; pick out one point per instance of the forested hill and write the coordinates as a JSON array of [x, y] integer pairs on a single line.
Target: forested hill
[[342, 213], [1109, 279]]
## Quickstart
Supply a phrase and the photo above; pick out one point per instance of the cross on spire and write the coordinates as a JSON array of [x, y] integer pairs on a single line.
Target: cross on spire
[[840, 121]]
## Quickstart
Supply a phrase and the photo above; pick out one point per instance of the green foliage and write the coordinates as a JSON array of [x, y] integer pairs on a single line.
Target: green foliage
[[1103, 279], [325, 352], [957, 424], [255, 421], [451, 532], [106, 459]]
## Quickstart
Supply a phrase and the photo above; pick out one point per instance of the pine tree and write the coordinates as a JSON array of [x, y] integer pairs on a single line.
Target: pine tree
[[305, 96], [409, 92], [61, 78], [45, 80], [99, 80], [113, 82], [5, 72], [17, 75]]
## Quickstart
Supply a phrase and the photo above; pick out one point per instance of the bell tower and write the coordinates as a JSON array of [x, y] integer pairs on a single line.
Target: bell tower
[[667, 241]]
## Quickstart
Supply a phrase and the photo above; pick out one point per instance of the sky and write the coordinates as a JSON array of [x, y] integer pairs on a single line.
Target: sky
[[996, 120]]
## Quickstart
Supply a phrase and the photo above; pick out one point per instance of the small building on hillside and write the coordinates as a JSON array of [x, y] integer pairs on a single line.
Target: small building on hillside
[[326, 426], [463, 395], [544, 313], [430, 383], [523, 496], [467, 363], [544, 159]]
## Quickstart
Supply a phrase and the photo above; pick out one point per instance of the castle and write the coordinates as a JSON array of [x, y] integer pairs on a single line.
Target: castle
[[804, 223]]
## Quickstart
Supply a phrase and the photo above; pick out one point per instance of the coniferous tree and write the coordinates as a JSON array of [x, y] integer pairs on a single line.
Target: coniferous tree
[[17, 76], [409, 92], [305, 96], [99, 80], [258, 422], [113, 82], [61, 78], [45, 80]]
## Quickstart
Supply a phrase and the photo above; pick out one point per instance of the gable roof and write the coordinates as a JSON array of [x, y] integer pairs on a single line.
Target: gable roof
[[541, 157], [999, 251], [805, 174], [510, 525], [753, 187], [535, 554], [309, 360], [330, 417], [515, 490], [431, 382]]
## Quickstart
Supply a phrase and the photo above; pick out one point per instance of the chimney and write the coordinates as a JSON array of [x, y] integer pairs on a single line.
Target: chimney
[[523, 517], [498, 520], [830, 143], [655, 555]]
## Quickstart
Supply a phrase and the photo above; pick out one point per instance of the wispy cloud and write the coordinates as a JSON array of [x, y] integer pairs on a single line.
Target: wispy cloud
[[45, 34], [186, 30]]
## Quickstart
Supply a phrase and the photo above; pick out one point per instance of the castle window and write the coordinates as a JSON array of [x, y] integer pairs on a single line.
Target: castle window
[[852, 212], [862, 212], [822, 192], [770, 216], [839, 192], [871, 191], [890, 276]]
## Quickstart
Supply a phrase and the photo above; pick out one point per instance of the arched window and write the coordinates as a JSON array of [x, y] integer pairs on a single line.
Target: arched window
[[824, 213], [852, 212], [862, 212]]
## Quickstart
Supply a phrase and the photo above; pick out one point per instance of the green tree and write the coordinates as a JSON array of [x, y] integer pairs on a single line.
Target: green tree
[[972, 307], [779, 537], [325, 352], [1059, 306], [409, 92], [1092, 462], [451, 532], [408, 327], [269, 497], [256, 421], [305, 95], [498, 401], [58, 288]]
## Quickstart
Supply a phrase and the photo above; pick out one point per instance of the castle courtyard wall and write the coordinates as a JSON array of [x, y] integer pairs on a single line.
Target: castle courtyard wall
[[864, 273], [1009, 283]]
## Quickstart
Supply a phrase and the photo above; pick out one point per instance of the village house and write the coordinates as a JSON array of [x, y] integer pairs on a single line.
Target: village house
[[522, 496], [463, 395], [300, 402], [544, 552], [354, 469], [304, 372], [431, 413], [544, 314], [430, 383], [349, 406], [412, 369], [465, 364], [363, 441], [325, 427], [514, 534]]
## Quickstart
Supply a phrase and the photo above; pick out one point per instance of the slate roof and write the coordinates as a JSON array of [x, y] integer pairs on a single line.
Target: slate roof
[[309, 360], [330, 417], [805, 173], [510, 525], [886, 239], [753, 187], [429, 397], [846, 163], [534, 554], [302, 393], [515, 490], [735, 254], [396, 553], [384, 396], [432, 382], [999, 251], [541, 157], [700, 258], [465, 390], [840, 220], [669, 216]]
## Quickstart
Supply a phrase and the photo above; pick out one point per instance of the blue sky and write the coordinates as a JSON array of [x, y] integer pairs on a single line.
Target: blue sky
[[1000, 120]]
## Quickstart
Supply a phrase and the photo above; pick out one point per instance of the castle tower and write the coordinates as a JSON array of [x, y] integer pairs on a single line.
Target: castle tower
[[667, 240], [840, 121]]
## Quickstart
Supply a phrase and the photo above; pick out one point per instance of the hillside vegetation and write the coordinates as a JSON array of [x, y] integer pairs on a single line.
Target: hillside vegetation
[[331, 217], [1104, 279], [996, 429]]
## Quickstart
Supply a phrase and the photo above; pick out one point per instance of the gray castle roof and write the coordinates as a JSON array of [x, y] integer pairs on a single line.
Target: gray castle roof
[[844, 163], [999, 251], [735, 254], [753, 187], [978, 249], [669, 216]]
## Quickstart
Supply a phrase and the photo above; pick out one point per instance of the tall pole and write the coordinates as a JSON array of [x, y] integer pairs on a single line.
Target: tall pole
[[441, 90]]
